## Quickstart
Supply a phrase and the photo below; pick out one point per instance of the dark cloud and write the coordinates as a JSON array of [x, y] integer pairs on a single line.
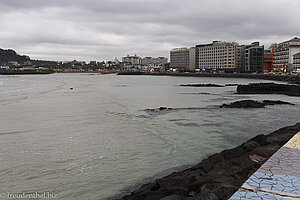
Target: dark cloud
[[104, 29]]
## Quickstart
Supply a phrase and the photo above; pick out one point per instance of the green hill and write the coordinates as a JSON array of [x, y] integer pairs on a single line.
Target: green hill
[[11, 55]]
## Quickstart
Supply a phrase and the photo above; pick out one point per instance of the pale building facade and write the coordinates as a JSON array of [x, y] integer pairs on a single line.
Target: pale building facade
[[216, 56], [150, 61], [132, 60], [296, 62], [180, 59], [192, 59], [284, 52]]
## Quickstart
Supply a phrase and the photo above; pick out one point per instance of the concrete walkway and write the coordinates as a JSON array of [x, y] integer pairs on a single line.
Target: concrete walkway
[[278, 178]]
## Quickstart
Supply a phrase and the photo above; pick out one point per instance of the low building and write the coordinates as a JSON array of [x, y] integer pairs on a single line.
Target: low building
[[268, 60], [147, 61], [116, 61], [132, 60], [283, 54], [93, 63], [161, 60], [150, 61], [27, 63], [29, 68], [12, 64]]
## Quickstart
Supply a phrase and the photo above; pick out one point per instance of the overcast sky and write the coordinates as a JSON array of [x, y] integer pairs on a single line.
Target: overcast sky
[[104, 29]]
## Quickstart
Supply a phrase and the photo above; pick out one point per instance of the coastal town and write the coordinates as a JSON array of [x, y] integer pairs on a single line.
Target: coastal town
[[215, 57]]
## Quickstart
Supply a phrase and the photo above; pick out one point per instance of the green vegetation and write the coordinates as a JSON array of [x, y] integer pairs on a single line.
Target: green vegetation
[[27, 71], [11, 55], [21, 64]]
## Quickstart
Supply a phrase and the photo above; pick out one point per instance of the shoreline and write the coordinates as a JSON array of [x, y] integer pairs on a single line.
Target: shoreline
[[220, 175], [25, 72], [294, 79]]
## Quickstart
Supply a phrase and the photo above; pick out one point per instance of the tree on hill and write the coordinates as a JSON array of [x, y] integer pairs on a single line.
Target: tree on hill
[[11, 55]]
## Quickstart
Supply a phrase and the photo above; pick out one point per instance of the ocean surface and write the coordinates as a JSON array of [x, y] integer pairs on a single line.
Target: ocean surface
[[98, 140]]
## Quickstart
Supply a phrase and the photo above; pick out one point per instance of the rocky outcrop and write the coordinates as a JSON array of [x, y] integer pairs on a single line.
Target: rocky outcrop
[[164, 110], [159, 111], [253, 104], [202, 85], [218, 176], [231, 84], [277, 102], [269, 88]]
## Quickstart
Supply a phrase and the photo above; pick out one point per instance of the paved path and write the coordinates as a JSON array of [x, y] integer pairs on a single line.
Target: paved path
[[278, 178]]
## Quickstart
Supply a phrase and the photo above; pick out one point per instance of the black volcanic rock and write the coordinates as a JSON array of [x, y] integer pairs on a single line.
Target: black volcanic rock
[[253, 104], [202, 85], [244, 104], [218, 176], [231, 84], [164, 108], [271, 102], [269, 88], [159, 111]]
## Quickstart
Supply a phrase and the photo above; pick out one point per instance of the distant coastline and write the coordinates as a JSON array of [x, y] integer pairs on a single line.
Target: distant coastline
[[25, 72], [294, 79], [28, 72]]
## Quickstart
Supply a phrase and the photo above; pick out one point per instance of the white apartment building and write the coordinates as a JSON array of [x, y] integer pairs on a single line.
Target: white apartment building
[[150, 61], [132, 60], [284, 52], [217, 56], [296, 62]]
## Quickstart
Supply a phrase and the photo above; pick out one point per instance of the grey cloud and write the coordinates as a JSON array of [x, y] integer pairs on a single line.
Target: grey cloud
[[93, 29]]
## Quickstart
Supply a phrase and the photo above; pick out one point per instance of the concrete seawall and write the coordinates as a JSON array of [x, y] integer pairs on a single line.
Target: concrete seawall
[[278, 178]]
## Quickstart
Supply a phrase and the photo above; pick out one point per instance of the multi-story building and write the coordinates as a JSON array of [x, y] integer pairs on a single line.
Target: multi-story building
[[296, 62], [150, 61], [254, 58], [132, 60], [180, 59], [250, 58], [94, 63], [268, 60], [240, 58], [283, 53], [147, 61], [216, 56], [192, 57], [161, 60], [116, 61]]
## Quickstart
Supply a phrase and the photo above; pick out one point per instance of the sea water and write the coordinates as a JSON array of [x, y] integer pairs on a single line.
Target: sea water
[[88, 136]]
